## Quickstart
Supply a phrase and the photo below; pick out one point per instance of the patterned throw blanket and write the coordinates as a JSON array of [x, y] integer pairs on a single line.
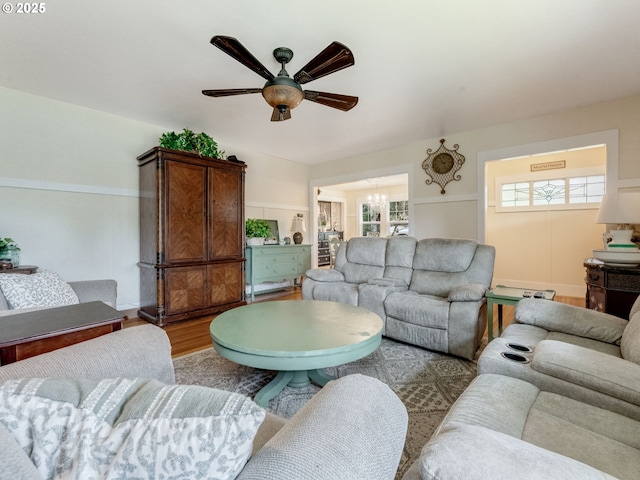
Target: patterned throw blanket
[[129, 428]]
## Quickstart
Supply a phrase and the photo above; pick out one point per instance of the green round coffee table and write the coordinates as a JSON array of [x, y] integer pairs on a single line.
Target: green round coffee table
[[296, 337]]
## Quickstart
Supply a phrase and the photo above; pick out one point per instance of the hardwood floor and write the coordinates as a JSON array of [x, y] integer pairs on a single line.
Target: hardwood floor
[[193, 335]]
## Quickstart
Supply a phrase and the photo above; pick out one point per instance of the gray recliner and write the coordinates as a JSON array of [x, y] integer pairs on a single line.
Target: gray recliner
[[428, 292]]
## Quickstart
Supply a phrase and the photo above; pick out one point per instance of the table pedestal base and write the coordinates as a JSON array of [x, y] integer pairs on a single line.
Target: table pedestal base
[[296, 378]]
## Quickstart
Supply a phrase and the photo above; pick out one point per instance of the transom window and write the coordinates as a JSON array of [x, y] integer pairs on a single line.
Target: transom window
[[577, 191]]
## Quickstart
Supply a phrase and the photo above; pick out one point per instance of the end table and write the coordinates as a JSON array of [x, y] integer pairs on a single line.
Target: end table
[[502, 295]]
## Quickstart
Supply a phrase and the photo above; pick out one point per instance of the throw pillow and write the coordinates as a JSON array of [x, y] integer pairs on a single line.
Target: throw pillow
[[129, 428], [42, 289]]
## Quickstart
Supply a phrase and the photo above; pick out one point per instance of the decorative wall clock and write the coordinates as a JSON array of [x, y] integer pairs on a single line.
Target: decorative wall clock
[[442, 165]]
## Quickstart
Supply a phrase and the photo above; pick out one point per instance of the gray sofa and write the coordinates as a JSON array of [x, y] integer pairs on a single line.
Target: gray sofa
[[428, 292], [87, 290], [354, 428], [586, 355], [565, 406], [506, 428]]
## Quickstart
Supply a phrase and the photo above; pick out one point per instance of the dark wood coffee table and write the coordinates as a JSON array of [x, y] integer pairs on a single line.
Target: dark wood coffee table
[[25, 335]]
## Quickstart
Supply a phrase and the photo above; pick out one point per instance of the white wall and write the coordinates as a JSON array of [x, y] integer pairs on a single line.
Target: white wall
[[455, 214], [69, 188]]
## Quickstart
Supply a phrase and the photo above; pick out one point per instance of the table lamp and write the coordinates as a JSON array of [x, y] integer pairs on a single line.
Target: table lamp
[[622, 209], [297, 226]]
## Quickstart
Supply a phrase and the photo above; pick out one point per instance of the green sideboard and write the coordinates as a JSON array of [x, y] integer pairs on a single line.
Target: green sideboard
[[276, 263]]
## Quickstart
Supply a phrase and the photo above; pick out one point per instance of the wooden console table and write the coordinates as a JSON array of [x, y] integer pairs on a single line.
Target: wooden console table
[[26, 269], [610, 288], [25, 335], [276, 263]]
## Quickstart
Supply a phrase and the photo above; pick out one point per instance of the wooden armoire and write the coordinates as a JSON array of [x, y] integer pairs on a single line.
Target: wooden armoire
[[191, 235]]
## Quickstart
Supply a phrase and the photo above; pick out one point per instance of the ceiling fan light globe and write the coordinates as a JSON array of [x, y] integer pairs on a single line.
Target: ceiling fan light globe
[[277, 95]]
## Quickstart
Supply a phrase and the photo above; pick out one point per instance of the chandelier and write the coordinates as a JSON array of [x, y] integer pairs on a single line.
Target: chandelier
[[377, 202]]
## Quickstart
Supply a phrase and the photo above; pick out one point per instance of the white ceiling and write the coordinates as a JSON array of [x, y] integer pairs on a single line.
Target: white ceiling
[[423, 68]]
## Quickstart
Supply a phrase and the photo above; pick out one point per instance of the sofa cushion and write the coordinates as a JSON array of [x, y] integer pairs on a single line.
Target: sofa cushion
[[367, 250], [594, 436], [630, 342], [129, 428], [423, 310], [42, 289], [444, 254]]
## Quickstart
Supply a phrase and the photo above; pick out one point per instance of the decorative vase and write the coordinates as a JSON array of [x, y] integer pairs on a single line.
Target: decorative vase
[[297, 238], [11, 255]]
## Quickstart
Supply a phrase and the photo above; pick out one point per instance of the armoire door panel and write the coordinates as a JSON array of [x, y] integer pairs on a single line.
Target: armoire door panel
[[185, 289], [226, 227], [186, 220], [225, 283]]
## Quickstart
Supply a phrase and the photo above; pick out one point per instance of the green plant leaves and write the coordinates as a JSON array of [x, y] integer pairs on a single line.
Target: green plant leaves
[[257, 228], [191, 142]]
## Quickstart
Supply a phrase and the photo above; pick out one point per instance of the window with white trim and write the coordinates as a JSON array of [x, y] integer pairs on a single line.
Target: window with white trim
[[370, 221], [399, 217], [579, 188]]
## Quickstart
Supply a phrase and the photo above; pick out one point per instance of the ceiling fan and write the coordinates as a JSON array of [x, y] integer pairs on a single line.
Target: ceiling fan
[[282, 92]]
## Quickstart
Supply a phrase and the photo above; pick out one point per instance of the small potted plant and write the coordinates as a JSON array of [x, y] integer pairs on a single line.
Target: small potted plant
[[9, 251], [256, 231]]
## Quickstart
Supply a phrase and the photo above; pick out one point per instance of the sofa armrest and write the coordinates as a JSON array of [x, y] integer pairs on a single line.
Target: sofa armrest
[[473, 292], [142, 351], [569, 319], [325, 275], [588, 368], [96, 290], [354, 428], [479, 453]]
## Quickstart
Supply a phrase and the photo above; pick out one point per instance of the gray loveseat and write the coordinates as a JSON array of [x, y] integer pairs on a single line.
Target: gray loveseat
[[354, 428], [428, 292]]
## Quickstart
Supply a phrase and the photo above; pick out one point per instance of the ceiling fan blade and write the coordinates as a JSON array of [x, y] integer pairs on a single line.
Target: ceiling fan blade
[[333, 58], [333, 100], [230, 91], [278, 116], [236, 50]]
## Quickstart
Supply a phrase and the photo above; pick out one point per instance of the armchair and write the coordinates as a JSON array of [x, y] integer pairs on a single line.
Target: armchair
[[586, 355]]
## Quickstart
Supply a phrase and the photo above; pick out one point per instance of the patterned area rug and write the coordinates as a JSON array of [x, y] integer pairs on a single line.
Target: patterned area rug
[[427, 383]]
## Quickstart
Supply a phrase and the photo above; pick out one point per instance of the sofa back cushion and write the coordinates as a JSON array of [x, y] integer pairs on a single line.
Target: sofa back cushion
[[630, 342], [441, 264], [399, 261], [444, 254], [365, 257]]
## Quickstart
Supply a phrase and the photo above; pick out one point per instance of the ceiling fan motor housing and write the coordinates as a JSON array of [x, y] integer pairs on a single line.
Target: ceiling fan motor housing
[[282, 92]]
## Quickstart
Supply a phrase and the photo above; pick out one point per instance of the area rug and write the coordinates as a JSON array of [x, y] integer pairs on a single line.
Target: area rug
[[427, 383]]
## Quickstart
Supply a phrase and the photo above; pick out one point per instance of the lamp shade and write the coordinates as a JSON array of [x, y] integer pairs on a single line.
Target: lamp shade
[[620, 208], [297, 225]]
